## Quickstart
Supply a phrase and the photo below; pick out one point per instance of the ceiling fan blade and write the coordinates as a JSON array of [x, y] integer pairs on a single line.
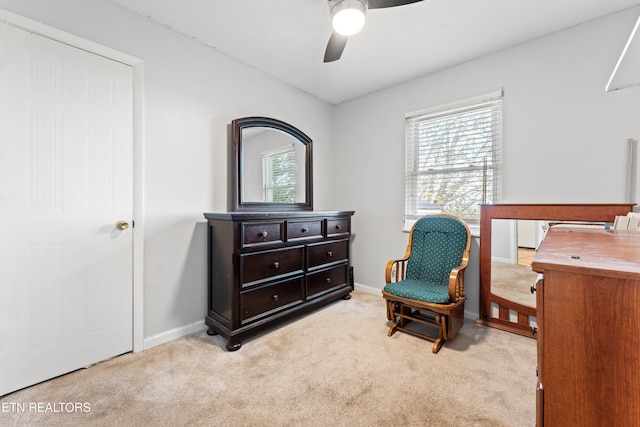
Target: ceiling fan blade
[[379, 4], [336, 45]]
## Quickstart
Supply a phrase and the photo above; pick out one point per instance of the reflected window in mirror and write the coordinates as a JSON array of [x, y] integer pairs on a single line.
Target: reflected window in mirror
[[279, 175], [272, 166]]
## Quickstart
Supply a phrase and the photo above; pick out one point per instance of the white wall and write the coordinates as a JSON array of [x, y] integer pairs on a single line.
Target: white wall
[[191, 93], [555, 107], [564, 137]]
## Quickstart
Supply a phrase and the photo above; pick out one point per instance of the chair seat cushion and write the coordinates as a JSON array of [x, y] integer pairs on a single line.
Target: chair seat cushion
[[420, 290]]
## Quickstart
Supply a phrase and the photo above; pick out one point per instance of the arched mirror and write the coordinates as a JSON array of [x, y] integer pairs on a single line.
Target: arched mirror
[[272, 166]]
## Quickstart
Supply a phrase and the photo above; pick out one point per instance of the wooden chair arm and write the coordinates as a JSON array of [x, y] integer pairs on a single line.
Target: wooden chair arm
[[456, 283], [400, 270], [456, 279]]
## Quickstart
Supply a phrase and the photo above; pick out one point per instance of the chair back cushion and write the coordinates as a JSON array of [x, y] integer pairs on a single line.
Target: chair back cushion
[[437, 246]]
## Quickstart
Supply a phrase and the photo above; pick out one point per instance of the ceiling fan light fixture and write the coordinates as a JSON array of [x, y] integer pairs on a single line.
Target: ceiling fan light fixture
[[348, 16]]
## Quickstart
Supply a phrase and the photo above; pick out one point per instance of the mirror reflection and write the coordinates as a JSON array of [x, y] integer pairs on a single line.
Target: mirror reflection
[[273, 167], [513, 246]]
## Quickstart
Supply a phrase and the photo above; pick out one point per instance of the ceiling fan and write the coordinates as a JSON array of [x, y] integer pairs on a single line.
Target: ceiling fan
[[348, 17]]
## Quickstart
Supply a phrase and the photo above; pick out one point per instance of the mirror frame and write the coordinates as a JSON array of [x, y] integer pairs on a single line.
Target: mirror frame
[[549, 212], [237, 203]]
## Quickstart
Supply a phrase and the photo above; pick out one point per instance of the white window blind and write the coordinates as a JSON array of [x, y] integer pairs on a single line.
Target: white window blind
[[453, 159], [279, 175]]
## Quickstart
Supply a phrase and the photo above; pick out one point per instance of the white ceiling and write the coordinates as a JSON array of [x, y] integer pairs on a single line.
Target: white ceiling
[[287, 38]]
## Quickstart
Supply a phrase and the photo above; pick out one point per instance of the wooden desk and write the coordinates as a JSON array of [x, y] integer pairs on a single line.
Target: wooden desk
[[588, 312]]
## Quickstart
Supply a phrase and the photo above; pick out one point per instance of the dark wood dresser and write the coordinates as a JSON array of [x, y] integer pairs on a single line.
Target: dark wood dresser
[[588, 312], [268, 266]]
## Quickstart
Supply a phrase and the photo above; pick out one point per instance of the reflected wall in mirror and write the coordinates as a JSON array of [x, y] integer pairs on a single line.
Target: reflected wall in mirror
[[498, 308], [272, 168]]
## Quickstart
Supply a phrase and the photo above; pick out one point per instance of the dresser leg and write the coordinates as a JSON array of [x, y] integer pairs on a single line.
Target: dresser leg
[[346, 297], [211, 332], [234, 346]]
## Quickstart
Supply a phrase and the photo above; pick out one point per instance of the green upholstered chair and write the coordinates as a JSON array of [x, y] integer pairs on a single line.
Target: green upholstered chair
[[427, 285]]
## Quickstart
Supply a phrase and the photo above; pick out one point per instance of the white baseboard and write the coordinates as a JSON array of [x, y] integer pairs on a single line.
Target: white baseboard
[[172, 334], [367, 289], [470, 315]]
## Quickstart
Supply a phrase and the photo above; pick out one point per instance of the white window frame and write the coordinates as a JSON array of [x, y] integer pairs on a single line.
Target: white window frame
[[490, 166]]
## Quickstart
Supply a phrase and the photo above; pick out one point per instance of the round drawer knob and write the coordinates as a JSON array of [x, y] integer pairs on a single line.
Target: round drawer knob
[[329, 254], [274, 297], [328, 280], [276, 264]]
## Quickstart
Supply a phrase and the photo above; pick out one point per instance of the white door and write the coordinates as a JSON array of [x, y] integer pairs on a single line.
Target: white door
[[66, 178]]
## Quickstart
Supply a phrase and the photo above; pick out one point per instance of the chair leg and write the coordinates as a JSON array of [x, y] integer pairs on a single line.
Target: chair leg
[[390, 315], [455, 322], [441, 321], [393, 329], [394, 313], [401, 315], [437, 345]]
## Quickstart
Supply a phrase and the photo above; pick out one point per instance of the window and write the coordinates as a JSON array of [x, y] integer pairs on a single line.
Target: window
[[279, 175], [453, 159]]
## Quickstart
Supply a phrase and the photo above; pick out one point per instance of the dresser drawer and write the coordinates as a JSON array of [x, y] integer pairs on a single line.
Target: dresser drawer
[[324, 280], [259, 233], [262, 301], [324, 253], [338, 227], [260, 266], [311, 229]]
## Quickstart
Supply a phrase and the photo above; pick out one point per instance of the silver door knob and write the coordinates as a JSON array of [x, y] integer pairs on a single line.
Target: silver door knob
[[122, 225]]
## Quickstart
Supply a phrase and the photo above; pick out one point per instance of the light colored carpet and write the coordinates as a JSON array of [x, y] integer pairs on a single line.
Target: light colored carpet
[[333, 367], [513, 282]]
